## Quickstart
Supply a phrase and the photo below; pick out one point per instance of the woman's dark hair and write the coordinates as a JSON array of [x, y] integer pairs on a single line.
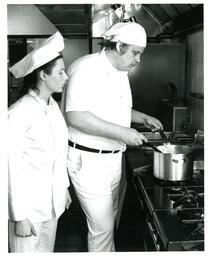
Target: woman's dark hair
[[30, 81]]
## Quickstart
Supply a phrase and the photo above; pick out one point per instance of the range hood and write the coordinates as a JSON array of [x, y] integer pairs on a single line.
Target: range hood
[[159, 20], [104, 16]]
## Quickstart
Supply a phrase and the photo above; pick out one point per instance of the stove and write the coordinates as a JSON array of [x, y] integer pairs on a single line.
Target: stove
[[174, 211]]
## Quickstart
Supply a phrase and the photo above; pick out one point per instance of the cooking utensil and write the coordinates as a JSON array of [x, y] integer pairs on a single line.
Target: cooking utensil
[[163, 136], [174, 163], [148, 144]]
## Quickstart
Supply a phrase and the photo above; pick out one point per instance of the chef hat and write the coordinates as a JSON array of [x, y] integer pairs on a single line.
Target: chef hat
[[45, 52], [127, 32]]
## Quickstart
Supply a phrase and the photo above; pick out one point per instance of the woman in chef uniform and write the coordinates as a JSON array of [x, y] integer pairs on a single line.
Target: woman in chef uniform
[[37, 151]]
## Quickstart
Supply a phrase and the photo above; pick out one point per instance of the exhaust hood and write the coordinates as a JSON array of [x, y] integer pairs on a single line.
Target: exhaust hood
[[166, 20], [105, 16]]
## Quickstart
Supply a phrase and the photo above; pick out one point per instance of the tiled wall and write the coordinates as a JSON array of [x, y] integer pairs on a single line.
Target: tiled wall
[[195, 79]]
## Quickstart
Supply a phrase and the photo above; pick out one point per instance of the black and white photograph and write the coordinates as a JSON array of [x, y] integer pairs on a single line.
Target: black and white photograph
[[103, 127]]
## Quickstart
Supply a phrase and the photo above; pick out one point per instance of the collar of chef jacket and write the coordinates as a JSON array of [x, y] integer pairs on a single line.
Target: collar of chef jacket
[[41, 101]]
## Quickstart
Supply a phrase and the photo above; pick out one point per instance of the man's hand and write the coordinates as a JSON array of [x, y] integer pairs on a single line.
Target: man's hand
[[24, 228], [152, 123], [132, 137], [68, 199]]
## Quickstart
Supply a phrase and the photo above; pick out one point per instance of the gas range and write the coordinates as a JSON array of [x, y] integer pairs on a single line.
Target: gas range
[[174, 211]]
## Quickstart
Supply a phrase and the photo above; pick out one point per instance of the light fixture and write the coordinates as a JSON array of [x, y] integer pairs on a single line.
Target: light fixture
[[115, 6], [120, 10]]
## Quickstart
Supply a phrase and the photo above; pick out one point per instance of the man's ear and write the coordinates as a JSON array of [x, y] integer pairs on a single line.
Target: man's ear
[[42, 75], [119, 47]]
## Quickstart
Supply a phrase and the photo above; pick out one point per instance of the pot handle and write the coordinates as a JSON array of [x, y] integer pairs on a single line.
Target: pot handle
[[177, 161]]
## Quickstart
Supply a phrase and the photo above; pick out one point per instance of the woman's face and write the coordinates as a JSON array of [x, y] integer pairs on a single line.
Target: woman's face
[[58, 78]]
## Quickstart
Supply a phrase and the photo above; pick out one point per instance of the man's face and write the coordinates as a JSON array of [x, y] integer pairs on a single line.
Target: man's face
[[131, 57]]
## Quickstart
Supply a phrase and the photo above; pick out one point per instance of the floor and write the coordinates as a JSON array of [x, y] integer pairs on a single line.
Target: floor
[[131, 234]]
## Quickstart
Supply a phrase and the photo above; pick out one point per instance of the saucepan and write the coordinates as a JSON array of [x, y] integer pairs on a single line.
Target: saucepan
[[173, 163]]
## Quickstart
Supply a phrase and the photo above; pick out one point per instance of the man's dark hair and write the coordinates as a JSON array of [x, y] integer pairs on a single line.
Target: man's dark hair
[[108, 44], [111, 45]]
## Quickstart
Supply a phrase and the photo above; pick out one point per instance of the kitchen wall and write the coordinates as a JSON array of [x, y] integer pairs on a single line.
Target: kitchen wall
[[195, 79], [26, 19], [74, 49], [161, 63], [194, 82]]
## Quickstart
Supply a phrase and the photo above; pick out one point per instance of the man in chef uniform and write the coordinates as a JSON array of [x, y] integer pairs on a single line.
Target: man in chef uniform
[[98, 112]]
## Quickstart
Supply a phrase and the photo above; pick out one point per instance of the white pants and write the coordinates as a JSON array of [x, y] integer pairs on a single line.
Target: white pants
[[44, 240], [96, 180]]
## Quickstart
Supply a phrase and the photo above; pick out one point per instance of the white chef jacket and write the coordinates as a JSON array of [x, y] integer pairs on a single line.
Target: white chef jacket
[[37, 154], [95, 85]]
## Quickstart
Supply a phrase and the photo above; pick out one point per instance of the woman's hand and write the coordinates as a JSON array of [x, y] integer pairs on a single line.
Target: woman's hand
[[68, 199], [24, 228]]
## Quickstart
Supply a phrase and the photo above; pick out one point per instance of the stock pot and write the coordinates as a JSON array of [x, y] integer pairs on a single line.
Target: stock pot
[[174, 163]]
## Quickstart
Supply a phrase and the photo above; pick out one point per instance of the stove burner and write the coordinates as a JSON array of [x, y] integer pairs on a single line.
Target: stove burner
[[199, 229], [175, 193], [193, 220], [173, 190], [185, 197], [196, 229], [172, 183], [191, 215]]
